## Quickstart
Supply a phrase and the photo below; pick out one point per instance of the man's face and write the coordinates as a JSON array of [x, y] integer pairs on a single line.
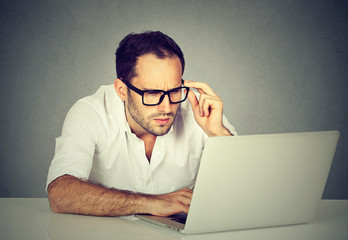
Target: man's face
[[153, 73]]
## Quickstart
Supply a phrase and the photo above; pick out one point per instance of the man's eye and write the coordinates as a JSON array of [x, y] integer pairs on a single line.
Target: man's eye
[[176, 90], [154, 92]]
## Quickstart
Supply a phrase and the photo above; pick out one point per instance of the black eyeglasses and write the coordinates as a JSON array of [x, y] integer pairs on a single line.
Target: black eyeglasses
[[155, 97]]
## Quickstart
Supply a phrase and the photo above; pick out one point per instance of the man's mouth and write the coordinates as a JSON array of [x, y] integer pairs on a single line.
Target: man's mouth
[[162, 121]]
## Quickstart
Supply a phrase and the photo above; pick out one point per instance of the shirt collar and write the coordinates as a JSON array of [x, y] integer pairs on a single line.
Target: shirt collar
[[126, 126]]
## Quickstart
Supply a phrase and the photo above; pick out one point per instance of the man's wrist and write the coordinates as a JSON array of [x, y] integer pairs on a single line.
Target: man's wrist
[[223, 131], [146, 203]]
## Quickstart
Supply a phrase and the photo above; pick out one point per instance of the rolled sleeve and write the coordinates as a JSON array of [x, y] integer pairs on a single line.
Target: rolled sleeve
[[73, 156], [229, 126], [76, 146]]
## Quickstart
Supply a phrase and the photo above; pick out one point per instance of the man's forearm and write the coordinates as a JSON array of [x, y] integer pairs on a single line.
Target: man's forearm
[[68, 194]]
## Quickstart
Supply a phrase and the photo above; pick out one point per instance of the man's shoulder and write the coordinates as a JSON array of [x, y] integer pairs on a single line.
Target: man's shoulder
[[103, 104], [99, 111], [103, 94], [104, 98]]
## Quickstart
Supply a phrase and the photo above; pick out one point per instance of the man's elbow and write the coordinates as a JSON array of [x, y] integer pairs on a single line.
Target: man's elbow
[[52, 202], [52, 199], [54, 207], [56, 196]]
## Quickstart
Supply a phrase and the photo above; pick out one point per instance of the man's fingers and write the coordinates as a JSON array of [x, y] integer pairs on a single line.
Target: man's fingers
[[208, 99], [208, 111], [200, 107], [194, 103], [200, 86], [183, 194], [186, 196], [173, 202], [185, 209], [187, 190], [207, 103]]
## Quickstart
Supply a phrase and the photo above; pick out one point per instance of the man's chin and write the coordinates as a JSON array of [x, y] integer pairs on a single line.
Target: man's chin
[[161, 130]]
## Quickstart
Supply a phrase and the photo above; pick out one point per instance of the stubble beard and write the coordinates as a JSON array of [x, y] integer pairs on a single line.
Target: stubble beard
[[145, 123]]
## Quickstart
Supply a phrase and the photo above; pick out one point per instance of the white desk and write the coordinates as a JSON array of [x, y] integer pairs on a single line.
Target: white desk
[[31, 218]]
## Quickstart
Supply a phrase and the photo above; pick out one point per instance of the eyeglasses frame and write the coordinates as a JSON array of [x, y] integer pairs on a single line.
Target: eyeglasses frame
[[142, 92]]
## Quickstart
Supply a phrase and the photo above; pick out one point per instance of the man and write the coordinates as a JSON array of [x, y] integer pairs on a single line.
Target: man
[[135, 147]]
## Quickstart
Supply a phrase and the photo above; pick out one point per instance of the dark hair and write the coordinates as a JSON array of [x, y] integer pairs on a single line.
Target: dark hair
[[136, 45]]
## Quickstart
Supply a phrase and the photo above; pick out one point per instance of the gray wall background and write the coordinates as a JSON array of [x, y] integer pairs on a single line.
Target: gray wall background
[[279, 66]]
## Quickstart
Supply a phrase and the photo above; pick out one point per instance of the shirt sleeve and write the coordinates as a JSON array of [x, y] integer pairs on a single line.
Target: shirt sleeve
[[229, 126], [75, 147]]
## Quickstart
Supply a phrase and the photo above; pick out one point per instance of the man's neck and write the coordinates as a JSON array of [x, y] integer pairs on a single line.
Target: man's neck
[[149, 141], [148, 138]]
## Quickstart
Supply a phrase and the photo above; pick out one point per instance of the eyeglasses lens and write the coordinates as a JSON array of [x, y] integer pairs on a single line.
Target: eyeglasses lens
[[156, 97]]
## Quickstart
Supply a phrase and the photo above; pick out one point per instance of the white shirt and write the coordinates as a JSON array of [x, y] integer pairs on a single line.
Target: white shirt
[[98, 145]]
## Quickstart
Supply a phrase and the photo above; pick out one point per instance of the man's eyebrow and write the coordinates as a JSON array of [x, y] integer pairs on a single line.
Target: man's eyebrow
[[154, 89], [151, 89]]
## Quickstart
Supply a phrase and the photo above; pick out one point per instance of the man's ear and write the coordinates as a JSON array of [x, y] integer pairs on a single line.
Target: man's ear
[[121, 89]]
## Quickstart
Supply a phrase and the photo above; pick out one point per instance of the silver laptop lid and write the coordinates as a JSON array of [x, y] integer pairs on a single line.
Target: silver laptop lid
[[260, 180]]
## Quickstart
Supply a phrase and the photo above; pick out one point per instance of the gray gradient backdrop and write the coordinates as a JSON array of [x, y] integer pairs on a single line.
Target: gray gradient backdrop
[[279, 66]]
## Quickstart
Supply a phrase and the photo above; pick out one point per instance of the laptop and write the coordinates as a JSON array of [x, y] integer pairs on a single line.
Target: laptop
[[255, 181]]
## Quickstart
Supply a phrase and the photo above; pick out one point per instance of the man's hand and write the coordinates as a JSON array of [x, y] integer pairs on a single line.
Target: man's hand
[[171, 203], [208, 111]]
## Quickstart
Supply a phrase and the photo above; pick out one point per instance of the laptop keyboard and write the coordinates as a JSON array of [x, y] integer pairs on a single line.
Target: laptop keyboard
[[180, 220], [179, 217]]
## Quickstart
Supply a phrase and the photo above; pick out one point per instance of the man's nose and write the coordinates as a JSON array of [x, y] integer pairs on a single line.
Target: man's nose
[[164, 106]]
